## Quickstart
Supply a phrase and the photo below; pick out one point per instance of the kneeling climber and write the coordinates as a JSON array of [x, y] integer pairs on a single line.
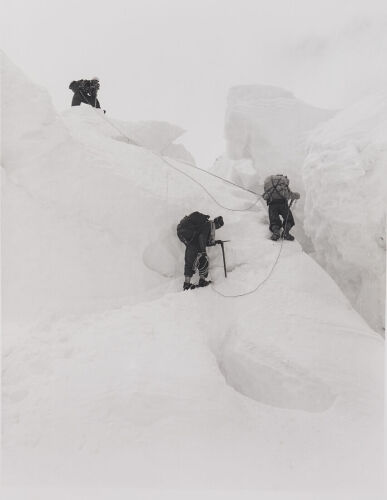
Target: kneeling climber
[[277, 194], [197, 232]]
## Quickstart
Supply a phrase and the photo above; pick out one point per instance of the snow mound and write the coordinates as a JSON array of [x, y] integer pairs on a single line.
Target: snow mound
[[344, 175], [71, 204], [39, 130], [156, 136]]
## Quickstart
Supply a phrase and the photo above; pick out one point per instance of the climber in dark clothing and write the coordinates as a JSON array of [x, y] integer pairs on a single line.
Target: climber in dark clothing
[[277, 209], [85, 91], [197, 232], [277, 194]]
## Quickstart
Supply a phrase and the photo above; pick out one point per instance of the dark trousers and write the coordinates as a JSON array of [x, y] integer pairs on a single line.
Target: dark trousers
[[79, 97], [278, 209], [191, 254]]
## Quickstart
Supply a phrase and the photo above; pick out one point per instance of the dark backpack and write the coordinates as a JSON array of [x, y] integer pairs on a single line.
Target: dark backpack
[[276, 188], [75, 85], [190, 226], [86, 86]]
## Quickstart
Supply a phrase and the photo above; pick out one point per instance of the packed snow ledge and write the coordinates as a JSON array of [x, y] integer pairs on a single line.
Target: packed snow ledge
[[113, 376]]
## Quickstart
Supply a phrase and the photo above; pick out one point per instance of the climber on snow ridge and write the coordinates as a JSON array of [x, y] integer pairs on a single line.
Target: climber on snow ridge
[[277, 194], [85, 91]]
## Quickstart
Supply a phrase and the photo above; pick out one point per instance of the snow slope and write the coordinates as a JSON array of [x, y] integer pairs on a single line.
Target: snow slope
[[345, 209], [113, 377]]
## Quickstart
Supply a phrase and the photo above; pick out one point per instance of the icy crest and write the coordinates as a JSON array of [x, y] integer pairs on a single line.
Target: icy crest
[[345, 209], [269, 126]]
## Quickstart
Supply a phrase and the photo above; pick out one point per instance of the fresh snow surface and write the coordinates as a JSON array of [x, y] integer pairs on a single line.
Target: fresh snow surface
[[345, 209], [115, 378]]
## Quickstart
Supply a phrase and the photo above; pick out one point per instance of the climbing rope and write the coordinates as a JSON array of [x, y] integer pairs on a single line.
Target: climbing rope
[[208, 192], [250, 292], [192, 165], [259, 197], [219, 177]]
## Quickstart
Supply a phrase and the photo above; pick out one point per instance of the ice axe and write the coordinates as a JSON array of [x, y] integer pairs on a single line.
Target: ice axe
[[221, 243]]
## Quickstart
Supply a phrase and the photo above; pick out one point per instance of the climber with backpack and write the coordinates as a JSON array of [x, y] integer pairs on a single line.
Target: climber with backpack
[[277, 194], [197, 232], [85, 91]]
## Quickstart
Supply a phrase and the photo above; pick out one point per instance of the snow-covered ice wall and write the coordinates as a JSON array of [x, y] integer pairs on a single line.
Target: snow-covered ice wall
[[269, 125], [345, 209], [336, 161]]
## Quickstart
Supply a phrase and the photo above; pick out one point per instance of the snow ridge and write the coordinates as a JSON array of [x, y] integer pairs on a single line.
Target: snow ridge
[[345, 210]]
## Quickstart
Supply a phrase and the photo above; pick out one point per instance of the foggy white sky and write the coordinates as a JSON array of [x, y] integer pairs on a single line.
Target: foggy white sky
[[175, 60]]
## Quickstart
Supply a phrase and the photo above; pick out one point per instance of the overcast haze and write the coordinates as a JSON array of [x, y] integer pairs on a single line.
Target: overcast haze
[[175, 60]]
